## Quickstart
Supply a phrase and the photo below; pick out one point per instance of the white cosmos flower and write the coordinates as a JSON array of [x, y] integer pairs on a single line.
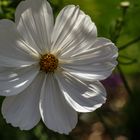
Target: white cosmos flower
[[52, 71]]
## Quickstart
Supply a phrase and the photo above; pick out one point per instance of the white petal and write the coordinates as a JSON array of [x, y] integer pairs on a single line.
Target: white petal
[[13, 49], [8, 62], [81, 95], [55, 111], [23, 110], [15, 80], [95, 63], [34, 19], [73, 30]]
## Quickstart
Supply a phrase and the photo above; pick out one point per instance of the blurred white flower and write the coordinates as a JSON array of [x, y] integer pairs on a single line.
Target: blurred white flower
[[125, 4], [49, 70]]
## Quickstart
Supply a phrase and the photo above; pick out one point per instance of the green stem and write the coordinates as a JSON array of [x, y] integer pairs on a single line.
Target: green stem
[[129, 43], [118, 28], [124, 81]]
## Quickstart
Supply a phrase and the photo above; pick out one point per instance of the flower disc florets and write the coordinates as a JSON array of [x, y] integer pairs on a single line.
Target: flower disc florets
[[48, 63]]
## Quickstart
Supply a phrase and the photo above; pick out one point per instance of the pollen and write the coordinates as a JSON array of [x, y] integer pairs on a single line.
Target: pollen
[[48, 63]]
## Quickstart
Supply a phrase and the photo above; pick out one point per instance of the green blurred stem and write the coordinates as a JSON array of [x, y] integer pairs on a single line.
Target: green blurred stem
[[61, 2], [124, 81], [117, 30], [129, 43], [129, 60], [128, 63]]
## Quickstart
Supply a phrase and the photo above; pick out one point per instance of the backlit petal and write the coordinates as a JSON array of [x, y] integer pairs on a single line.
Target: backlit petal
[[23, 110], [55, 111], [13, 50], [15, 80], [34, 19], [83, 96], [73, 30], [94, 63]]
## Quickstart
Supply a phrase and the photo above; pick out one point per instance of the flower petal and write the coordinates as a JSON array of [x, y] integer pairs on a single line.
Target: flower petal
[[23, 110], [73, 30], [81, 95], [95, 63], [34, 19], [13, 81], [13, 50], [55, 111], [7, 62]]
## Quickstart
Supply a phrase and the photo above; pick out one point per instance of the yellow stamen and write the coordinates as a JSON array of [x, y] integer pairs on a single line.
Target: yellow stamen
[[48, 63]]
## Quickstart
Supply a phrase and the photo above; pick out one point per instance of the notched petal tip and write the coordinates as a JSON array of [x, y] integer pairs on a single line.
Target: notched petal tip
[[35, 21], [72, 28], [56, 113], [23, 110], [83, 96]]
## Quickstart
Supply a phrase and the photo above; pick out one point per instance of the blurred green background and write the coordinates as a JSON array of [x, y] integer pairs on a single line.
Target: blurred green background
[[119, 118]]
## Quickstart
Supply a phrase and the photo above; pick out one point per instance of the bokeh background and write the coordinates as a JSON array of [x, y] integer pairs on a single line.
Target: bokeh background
[[119, 117]]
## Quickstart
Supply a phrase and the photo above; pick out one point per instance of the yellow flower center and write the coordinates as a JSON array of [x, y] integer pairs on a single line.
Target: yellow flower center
[[48, 63]]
